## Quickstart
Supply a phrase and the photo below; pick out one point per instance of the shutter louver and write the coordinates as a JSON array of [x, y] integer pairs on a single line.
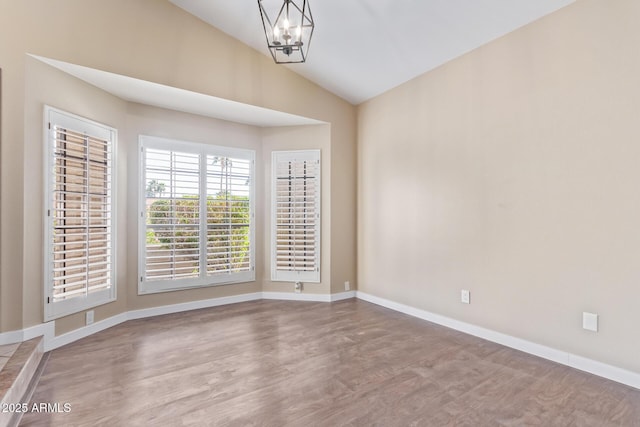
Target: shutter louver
[[81, 213], [172, 186], [196, 222], [296, 251], [79, 222], [228, 215]]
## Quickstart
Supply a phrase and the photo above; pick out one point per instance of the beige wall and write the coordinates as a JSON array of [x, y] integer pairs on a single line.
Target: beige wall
[[155, 41], [513, 172], [48, 86], [343, 200], [302, 138], [145, 120]]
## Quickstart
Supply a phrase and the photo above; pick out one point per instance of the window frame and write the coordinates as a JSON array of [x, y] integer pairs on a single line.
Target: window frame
[[158, 286], [55, 117], [296, 275]]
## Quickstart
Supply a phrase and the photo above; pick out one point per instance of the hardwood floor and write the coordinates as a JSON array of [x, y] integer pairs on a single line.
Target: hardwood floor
[[283, 363]]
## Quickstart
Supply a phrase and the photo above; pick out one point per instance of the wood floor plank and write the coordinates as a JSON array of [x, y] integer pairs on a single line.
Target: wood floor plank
[[283, 363]]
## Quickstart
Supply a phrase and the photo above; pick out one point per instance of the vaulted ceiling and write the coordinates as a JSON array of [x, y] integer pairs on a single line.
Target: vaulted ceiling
[[362, 48]]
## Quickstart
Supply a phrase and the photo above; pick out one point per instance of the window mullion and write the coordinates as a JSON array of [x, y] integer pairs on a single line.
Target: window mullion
[[202, 191], [227, 194], [87, 172], [173, 211]]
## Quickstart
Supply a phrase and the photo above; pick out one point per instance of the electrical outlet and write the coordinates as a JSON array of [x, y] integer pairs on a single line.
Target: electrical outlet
[[465, 296], [347, 286], [590, 321], [298, 287], [89, 317]]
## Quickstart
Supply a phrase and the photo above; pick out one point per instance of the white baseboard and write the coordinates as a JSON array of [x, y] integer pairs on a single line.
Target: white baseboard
[[606, 371], [85, 331], [51, 343], [578, 362], [191, 305], [343, 295], [43, 329], [11, 337], [287, 296]]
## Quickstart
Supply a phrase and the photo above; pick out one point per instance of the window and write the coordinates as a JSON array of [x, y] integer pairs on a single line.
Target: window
[[196, 216], [295, 216], [79, 205]]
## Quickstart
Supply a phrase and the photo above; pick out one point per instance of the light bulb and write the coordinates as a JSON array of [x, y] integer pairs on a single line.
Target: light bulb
[[298, 32], [276, 33], [286, 24]]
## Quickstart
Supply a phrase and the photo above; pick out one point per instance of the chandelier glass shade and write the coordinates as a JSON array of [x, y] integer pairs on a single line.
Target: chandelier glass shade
[[288, 27]]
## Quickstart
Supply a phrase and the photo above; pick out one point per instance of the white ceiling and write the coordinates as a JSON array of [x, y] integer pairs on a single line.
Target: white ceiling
[[157, 95], [361, 48]]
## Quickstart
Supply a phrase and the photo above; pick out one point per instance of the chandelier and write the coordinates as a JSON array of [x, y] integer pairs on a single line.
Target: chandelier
[[289, 34]]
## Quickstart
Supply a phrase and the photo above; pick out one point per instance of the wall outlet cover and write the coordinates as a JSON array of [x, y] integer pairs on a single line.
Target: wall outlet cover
[[465, 296], [590, 321], [347, 286], [89, 317]]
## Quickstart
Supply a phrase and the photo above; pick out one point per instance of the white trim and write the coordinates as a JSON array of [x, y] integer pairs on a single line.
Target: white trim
[[286, 296], [12, 337], [564, 358], [192, 305], [43, 329], [54, 342], [51, 341], [86, 331], [603, 370], [594, 367], [343, 295], [48, 329]]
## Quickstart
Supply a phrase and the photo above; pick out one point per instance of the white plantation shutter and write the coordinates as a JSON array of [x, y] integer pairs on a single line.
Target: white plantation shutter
[[79, 226], [295, 248], [172, 201], [228, 210], [196, 215]]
